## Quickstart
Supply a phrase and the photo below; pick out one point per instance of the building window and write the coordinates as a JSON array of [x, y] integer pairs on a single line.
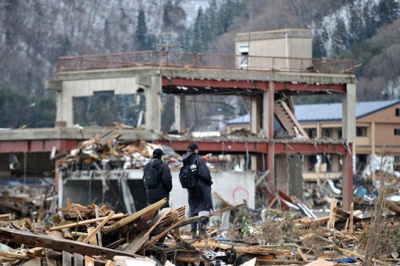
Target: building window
[[397, 131], [244, 56], [361, 131], [397, 111], [396, 164], [312, 160], [340, 135], [326, 132], [312, 133]]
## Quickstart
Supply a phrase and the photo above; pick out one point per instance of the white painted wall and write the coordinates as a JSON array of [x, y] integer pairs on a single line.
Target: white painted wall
[[232, 186]]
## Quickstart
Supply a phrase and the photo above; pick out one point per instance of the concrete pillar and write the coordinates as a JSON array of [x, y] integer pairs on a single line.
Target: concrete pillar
[[349, 134], [281, 171], [372, 138], [59, 105], [265, 114], [67, 109], [319, 131], [347, 192], [372, 143], [153, 105], [270, 123], [180, 109], [349, 114], [255, 115]]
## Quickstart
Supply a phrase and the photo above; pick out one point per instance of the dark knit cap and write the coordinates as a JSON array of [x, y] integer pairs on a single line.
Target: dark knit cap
[[157, 153], [193, 146]]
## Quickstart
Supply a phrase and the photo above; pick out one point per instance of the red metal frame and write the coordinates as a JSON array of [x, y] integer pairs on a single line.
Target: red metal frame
[[278, 86], [339, 88], [62, 145], [215, 83]]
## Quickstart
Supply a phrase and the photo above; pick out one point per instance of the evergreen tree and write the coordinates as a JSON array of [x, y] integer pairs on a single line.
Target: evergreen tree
[[340, 41], [318, 47], [107, 36], [198, 45], [356, 24], [370, 22], [213, 21], [141, 31], [166, 19], [388, 11]]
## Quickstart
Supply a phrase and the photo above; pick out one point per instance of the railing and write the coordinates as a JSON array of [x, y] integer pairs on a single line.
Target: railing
[[203, 60]]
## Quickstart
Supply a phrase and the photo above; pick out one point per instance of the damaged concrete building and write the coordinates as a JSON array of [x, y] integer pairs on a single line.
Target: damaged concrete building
[[268, 69]]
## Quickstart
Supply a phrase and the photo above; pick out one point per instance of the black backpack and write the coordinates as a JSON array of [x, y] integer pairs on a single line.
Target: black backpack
[[188, 176], [150, 177]]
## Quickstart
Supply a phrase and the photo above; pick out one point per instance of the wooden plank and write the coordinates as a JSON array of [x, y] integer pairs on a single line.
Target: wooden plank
[[227, 204], [110, 263], [14, 255], [138, 242], [135, 216], [89, 261], [78, 259], [58, 244], [162, 234], [331, 222], [393, 207], [34, 252], [91, 237], [98, 228], [5, 217], [99, 238], [351, 218], [66, 259], [115, 216], [301, 254]]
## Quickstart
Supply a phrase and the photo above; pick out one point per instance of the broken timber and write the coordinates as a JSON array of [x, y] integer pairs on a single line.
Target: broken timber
[[58, 244], [136, 215]]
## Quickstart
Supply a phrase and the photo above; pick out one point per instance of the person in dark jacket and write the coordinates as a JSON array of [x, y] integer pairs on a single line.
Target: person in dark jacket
[[164, 179], [199, 197]]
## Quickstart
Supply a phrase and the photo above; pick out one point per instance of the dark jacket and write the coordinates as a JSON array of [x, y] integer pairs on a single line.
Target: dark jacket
[[164, 182], [199, 196]]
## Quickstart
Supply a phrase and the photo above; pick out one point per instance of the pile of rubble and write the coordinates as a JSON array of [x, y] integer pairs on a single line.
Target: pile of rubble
[[33, 200], [285, 233], [107, 154]]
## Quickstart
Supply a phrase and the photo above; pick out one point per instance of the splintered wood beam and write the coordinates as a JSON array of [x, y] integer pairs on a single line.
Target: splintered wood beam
[[135, 216], [159, 236], [351, 218], [331, 222], [98, 228], [115, 216], [58, 244], [89, 261], [5, 217], [138, 242]]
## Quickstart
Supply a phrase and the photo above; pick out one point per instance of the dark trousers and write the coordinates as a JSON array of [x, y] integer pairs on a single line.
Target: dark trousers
[[202, 224]]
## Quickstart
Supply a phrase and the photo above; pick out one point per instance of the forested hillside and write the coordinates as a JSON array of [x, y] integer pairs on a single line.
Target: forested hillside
[[33, 34]]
